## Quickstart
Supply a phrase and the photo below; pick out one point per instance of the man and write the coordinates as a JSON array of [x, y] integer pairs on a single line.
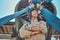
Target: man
[[36, 29]]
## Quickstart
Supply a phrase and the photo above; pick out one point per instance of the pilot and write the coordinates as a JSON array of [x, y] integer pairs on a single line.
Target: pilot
[[35, 30]]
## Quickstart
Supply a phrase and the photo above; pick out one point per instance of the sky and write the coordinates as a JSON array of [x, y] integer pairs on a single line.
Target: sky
[[7, 7]]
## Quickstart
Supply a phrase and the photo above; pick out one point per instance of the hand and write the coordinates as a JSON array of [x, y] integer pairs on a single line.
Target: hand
[[27, 28], [42, 30], [34, 33]]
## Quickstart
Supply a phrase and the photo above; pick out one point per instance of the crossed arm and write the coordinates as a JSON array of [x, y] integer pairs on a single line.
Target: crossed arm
[[26, 32], [38, 29]]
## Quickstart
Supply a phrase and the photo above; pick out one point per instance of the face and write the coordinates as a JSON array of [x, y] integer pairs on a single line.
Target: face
[[34, 13]]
